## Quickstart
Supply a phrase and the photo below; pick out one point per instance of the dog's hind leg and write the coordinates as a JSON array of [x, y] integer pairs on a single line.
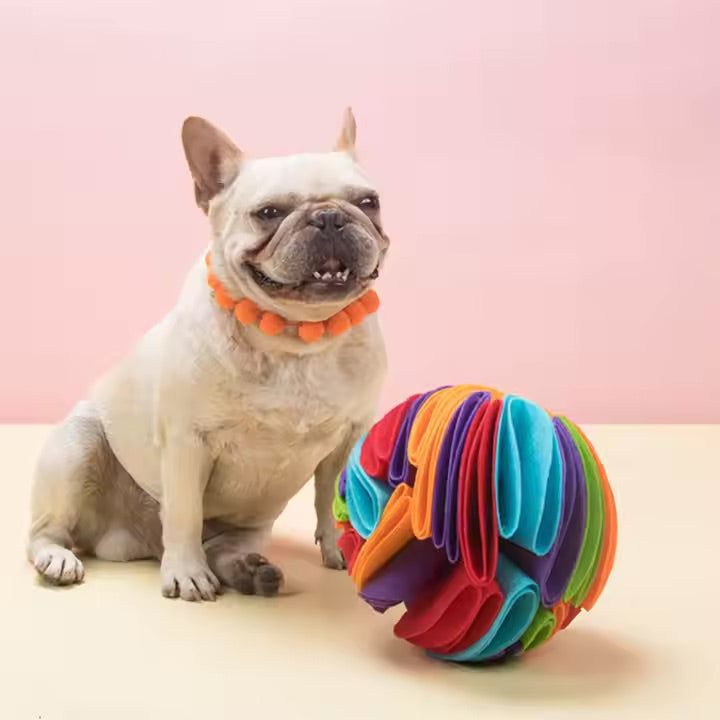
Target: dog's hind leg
[[74, 466], [233, 554]]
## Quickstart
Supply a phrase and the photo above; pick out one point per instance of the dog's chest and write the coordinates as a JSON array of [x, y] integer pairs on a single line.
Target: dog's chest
[[287, 400], [269, 436], [258, 422]]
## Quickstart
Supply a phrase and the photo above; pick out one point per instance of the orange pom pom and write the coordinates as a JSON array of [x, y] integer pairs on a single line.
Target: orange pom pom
[[207, 258], [271, 324], [247, 312], [338, 324], [370, 301], [212, 281], [223, 299], [311, 331], [356, 312]]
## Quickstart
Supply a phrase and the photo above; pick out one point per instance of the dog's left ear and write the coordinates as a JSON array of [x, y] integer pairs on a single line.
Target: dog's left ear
[[346, 139], [213, 158]]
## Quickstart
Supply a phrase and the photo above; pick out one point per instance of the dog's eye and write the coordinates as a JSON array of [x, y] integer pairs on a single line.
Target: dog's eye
[[369, 202], [269, 212]]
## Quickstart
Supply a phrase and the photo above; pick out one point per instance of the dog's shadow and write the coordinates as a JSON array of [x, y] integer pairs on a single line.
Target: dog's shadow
[[579, 664]]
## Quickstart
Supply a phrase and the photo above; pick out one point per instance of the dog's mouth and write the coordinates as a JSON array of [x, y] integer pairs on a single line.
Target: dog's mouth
[[329, 279]]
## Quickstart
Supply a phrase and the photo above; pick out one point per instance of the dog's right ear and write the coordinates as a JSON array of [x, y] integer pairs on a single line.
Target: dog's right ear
[[213, 158], [346, 139]]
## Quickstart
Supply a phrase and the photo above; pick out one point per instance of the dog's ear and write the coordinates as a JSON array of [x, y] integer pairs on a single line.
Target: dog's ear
[[213, 158], [348, 131]]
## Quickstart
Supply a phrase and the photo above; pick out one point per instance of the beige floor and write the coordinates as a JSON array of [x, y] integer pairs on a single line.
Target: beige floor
[[114, 648]]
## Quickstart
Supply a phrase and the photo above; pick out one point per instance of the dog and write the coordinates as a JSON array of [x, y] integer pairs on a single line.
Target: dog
[[189, 448]]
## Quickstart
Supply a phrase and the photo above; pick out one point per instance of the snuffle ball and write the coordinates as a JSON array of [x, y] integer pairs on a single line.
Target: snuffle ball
[[488, 518]]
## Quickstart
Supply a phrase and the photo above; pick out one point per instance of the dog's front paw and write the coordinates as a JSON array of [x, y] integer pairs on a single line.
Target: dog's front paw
[[189, 578], [59, 566], [331, 556]]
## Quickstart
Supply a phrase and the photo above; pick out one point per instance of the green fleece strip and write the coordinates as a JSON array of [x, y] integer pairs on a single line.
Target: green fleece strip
[[540, 630], [590, 551], [340, 509]]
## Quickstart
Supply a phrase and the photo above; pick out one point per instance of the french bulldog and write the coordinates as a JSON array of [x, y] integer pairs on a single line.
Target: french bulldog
[[189, 448]]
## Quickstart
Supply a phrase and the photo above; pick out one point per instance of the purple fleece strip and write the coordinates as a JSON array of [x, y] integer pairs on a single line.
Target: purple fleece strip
[[508, 652], [405, 576], [445, 497], [400, 470], [553, 571], [342, 483]]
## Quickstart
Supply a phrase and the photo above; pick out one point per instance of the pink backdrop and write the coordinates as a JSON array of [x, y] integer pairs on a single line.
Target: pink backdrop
[[550, 174]]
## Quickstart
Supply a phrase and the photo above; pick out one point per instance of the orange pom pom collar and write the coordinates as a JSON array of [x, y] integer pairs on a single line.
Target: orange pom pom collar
[[247, 312]]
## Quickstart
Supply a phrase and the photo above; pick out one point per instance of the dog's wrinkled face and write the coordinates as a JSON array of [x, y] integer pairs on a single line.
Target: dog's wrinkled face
[[304, 228], [299, 234]]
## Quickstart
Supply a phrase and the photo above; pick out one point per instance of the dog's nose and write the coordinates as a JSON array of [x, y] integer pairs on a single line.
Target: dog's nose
[[327, 219]]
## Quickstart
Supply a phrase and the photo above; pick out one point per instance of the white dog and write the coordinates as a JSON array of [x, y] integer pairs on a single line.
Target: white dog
[[190, 448]]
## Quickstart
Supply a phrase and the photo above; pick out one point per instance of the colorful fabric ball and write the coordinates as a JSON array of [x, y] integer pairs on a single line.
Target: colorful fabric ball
[[490, 519]]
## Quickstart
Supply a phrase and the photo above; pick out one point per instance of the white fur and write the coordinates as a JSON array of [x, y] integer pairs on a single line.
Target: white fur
[[208, 421]]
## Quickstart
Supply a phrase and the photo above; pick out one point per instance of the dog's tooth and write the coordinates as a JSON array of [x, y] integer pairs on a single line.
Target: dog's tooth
[[346, 274], [338, 274], [327, 276], [317, 275]]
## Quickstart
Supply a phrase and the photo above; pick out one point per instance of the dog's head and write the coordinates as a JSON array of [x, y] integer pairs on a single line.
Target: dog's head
[[301, 234]]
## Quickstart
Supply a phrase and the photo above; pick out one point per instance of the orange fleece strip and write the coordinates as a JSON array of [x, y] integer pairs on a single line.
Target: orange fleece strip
[[426, 438], [393, 533], [559, 611]]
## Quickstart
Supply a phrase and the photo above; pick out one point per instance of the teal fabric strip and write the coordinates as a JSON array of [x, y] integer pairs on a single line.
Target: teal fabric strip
[[365, 497], [528, 476]]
